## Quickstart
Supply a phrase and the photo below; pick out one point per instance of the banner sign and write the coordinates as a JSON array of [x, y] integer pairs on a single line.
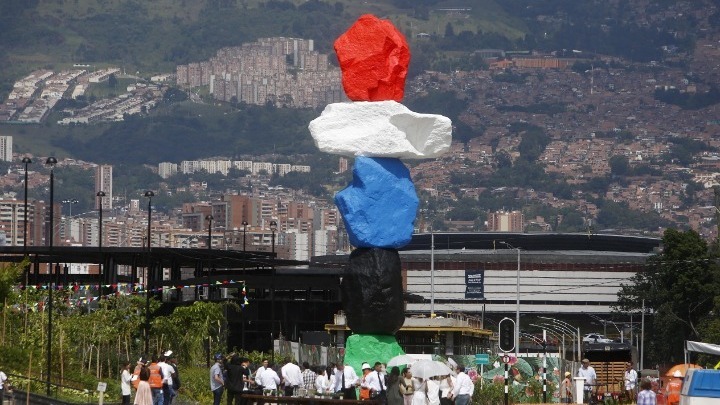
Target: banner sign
[[475, 284]]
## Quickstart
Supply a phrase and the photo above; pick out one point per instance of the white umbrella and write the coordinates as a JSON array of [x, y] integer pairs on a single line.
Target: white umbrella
[[429, 368], [401, 360]]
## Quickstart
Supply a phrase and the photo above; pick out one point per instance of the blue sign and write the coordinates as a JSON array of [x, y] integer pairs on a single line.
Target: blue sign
[[475, 284], [482, 358]]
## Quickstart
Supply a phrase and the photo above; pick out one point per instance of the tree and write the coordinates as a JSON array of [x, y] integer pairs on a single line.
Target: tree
[[112, 81], [679, 286], [619, 165]]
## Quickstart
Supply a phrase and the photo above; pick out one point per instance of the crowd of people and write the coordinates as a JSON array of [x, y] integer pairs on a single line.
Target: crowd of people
[[156, 381], [231, 377]]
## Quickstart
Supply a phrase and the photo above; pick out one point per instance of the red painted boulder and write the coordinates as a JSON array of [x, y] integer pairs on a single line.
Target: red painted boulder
[[374, 58]]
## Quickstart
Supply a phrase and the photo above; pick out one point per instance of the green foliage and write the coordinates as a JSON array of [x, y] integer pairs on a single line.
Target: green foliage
[[187, 133], [679, 285], [619, 165], [688, 101], [488, 393], [195, 384], [620, 216]]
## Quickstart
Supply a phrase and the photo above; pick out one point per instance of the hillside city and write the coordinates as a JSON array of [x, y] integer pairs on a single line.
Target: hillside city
[[591, 116]]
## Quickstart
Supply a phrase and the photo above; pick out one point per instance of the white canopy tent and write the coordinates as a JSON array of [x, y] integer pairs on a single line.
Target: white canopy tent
[[700, 347]]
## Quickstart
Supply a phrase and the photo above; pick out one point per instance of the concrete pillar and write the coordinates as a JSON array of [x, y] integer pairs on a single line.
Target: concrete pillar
[[449, 343], [579, 384]]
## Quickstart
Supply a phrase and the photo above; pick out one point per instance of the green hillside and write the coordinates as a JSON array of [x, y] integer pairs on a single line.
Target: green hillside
[[155, 36]]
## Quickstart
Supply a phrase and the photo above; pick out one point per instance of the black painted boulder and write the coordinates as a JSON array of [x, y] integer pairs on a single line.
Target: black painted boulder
[[372, 291]]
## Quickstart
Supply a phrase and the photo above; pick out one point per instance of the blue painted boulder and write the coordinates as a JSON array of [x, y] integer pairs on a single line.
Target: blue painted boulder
[[380, 205]]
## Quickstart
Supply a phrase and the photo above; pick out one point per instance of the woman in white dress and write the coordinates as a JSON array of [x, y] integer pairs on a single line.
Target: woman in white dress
[[420, 392], [433, 391]]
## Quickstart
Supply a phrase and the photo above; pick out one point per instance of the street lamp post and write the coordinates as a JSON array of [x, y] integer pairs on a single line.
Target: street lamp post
[[50, 162], [26, 161], [244, 224], [209, 218], [571, 330], [149, 194], [517, 301], [273, 229], [70, 202]]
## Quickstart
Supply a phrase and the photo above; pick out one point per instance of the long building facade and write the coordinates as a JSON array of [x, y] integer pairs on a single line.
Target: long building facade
[[556, 273]]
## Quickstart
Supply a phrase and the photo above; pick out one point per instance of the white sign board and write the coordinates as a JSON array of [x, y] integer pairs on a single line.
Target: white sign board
[[102, 386]]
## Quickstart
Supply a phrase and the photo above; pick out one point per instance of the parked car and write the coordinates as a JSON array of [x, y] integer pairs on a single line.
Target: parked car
[[596, 338]]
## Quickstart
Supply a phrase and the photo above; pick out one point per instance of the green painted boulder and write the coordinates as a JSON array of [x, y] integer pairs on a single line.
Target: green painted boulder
[[361, 349]]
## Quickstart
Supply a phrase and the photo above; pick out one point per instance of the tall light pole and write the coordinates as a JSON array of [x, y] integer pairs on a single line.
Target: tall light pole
[[571, 329], [50, 162], [432, 273], [70, 202], [209, 218], [26, 161], [273, 229], [244, 224], [517, 301], [149, 194], [100, 195]]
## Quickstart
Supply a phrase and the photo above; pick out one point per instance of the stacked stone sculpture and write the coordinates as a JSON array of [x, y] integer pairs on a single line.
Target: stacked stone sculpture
[[380, 205]]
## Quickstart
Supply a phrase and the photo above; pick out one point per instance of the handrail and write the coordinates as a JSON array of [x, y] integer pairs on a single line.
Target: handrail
[[88, 389]]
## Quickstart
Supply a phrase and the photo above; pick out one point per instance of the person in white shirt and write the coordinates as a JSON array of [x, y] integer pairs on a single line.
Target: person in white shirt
[[291, 377], [269, 379], [464, 387], [125, 378], [447, 385], [433, 391], [375, 381], [588, 373], [259, 371], [166, 371], [345, 381], [322, 382], [630, 381]]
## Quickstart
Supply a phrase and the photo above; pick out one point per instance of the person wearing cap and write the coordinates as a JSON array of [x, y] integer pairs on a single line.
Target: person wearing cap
[[672, 390], [588, 373], [566, 389], [630, 380], [346, 380], [364, 389], [217, 382]]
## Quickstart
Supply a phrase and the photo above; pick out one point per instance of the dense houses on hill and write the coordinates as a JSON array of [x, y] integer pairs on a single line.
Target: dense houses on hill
[[284, 71]]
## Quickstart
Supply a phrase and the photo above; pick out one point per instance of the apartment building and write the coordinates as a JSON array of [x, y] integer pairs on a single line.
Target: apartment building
[[502, 221], [6, 148], [103, 182]]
